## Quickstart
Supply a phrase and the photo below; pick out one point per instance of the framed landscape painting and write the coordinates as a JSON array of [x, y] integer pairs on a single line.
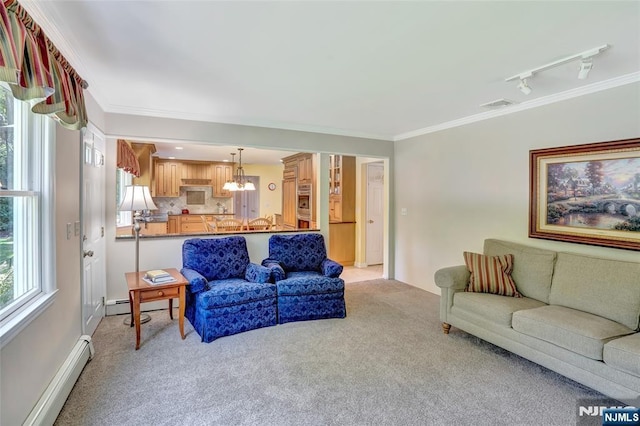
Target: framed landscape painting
[[587, 194]]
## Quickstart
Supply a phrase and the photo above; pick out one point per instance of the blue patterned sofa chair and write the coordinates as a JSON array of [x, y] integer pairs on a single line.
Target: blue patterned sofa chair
[[226, 293], [309, 284]]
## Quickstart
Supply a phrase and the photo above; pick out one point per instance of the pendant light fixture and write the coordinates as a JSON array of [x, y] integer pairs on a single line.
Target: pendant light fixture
[[240, 182]]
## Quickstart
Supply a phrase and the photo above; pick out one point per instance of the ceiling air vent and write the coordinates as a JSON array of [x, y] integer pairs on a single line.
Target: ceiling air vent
[[498, 103]]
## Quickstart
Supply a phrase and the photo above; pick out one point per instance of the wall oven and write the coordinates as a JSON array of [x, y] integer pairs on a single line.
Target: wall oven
[[304, 201]]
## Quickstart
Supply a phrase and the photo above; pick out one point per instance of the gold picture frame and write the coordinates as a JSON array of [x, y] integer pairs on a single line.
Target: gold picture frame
[[587, 194]]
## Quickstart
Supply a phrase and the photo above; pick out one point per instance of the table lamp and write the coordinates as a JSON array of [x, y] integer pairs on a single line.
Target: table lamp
[[136, 199]]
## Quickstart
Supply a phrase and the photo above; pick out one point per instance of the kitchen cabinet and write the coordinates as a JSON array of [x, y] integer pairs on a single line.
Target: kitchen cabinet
[[153, 228], [289, 204], [298, 169], [335, 208], [192, 223], [305, 169], [342, 209], [342, 243], [166, 178], [195, 173], [299, 166], [342, 188], [173, 225], [222, 174]]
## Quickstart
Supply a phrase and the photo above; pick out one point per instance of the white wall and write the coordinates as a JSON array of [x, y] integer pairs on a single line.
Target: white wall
[[32, 358], [463, 185], [144, 128], [270, 201]]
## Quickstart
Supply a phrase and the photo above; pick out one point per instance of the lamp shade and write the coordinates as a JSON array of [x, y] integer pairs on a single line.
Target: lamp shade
[[137, 197]]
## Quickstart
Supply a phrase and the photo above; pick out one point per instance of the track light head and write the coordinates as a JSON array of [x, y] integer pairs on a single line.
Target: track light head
[[524, 86], [585, 67]]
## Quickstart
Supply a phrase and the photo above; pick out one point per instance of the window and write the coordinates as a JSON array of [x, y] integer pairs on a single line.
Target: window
[[123, 218], [27, 272]]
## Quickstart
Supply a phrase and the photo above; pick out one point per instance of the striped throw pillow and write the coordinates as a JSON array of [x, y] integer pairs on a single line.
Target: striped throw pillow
[[491, 274]]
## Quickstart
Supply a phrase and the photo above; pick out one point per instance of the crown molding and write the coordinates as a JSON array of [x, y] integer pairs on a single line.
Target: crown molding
[[534, 103]]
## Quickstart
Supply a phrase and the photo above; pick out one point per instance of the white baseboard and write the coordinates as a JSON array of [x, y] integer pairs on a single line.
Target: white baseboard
[[360, 264], [50, 403]]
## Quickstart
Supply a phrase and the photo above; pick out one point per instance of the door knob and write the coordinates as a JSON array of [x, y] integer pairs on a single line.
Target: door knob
[[370, 221], [87, 253]]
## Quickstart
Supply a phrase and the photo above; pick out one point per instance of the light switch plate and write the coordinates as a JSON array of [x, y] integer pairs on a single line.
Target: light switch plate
[[68, 231], [76, 228]]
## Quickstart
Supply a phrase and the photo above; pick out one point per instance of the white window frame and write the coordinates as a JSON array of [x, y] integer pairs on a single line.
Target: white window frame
[[123, 218], [35, 138]]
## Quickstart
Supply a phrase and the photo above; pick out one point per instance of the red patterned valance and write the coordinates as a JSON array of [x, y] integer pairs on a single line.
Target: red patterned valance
[[127, 159], [35, 69]]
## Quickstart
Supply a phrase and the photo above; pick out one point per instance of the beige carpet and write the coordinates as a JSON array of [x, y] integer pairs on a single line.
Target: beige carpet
[[387, 363]]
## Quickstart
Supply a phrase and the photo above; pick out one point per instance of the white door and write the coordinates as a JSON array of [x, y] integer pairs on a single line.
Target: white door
[[374, 229], [93, 240], [246, 204]]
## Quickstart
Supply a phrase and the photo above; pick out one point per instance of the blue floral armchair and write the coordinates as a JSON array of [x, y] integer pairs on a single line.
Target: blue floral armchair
[[308, 283], [226, 293]]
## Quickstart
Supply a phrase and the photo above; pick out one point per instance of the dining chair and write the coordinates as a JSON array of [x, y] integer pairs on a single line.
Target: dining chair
[[259, 224], [207, 225], [229, 225]]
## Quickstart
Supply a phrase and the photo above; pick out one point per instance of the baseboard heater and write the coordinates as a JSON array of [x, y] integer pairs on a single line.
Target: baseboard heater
[[50, 403]]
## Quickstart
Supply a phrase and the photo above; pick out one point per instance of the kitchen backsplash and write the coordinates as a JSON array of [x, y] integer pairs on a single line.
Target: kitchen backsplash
[[174, 205]]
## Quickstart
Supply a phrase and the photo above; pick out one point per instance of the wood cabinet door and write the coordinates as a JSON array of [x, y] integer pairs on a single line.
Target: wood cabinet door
[[335, 209], [192, 227], [289, 208], [167, 179], [222, 174], [196, 171], [153, 228], [305, 170], [342, 247], [173, 225]]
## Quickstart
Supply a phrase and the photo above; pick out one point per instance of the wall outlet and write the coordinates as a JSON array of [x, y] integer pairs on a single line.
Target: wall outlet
[[76, 228], [69, 231], [403, 211]]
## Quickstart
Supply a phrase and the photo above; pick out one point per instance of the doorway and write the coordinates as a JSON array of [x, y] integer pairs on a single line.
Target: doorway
[[92, 224], [246, 204], [374, 218]]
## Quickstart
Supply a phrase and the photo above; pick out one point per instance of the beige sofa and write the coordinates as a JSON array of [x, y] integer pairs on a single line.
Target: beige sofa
[[579, 315]]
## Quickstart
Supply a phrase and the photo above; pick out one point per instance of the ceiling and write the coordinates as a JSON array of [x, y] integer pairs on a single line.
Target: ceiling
[[211, 152], [372, 69]]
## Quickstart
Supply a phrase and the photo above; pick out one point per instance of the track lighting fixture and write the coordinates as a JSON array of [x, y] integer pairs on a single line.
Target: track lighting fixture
[[585, 67], [524, 86], [586, 64]]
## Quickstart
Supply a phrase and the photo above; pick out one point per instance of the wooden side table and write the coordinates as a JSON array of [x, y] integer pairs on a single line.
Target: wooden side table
[[141, 291]]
